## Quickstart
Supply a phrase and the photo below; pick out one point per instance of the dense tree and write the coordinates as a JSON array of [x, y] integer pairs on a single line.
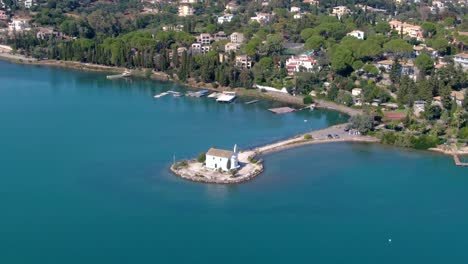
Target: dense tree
[[424, 63], [398, 46]]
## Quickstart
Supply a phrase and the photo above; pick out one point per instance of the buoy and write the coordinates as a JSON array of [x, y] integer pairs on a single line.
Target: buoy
[[389, 240], [305, 120]]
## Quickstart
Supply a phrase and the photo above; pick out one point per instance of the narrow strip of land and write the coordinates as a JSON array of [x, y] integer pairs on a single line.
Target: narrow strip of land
[[328, 135]]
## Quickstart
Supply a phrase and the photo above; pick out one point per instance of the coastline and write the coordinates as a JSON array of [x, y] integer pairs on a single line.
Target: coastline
[[296, 101], [191, 84]]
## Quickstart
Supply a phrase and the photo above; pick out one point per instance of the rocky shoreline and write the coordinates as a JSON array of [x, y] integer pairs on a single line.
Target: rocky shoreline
[[231, 180]]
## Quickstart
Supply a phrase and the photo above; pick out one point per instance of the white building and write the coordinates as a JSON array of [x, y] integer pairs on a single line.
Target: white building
[[356, 91], [225, 160], [300, 63], [225, 19], [28, 3], [18, 24], [262, 18], [461, 59], [357, 34], [295, 9]]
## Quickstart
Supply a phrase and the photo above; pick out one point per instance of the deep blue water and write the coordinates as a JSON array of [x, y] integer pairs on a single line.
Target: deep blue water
[[84, 179]]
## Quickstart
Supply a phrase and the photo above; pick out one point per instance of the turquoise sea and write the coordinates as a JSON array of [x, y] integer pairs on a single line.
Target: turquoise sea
[[84, 179]]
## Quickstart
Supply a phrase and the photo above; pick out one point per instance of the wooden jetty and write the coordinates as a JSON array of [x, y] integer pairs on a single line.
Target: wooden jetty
[[458, 162], [251, 102], [282, 110]]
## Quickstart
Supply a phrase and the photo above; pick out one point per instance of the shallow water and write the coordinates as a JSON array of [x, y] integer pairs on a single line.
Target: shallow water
[[84, 179]]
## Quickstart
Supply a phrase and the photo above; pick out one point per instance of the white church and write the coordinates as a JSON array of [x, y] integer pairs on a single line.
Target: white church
[[225, 160]]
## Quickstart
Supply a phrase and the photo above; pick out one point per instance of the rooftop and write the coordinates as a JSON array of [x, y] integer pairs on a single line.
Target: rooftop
[[219, 153]]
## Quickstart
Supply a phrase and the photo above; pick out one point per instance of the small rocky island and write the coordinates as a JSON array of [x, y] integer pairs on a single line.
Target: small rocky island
[[220, 166]]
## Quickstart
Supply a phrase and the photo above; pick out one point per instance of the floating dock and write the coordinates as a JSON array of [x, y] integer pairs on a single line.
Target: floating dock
[[226, 97], [122, 75], [282, 110], [458, 162]]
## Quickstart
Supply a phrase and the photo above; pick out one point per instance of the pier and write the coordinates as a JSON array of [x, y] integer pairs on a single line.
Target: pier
[[458, 162]]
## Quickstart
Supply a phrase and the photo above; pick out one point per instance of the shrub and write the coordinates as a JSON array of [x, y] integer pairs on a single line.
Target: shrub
[[148, 73], [307, 137], [201, 157], [308, 100]]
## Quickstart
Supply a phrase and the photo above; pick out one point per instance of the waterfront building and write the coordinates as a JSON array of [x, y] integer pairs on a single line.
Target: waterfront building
[[224, 160]]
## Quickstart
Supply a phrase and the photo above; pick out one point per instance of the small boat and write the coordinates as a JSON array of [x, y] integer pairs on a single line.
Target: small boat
[[161, 95], [198, 93], [175, 93], [251, 102]]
